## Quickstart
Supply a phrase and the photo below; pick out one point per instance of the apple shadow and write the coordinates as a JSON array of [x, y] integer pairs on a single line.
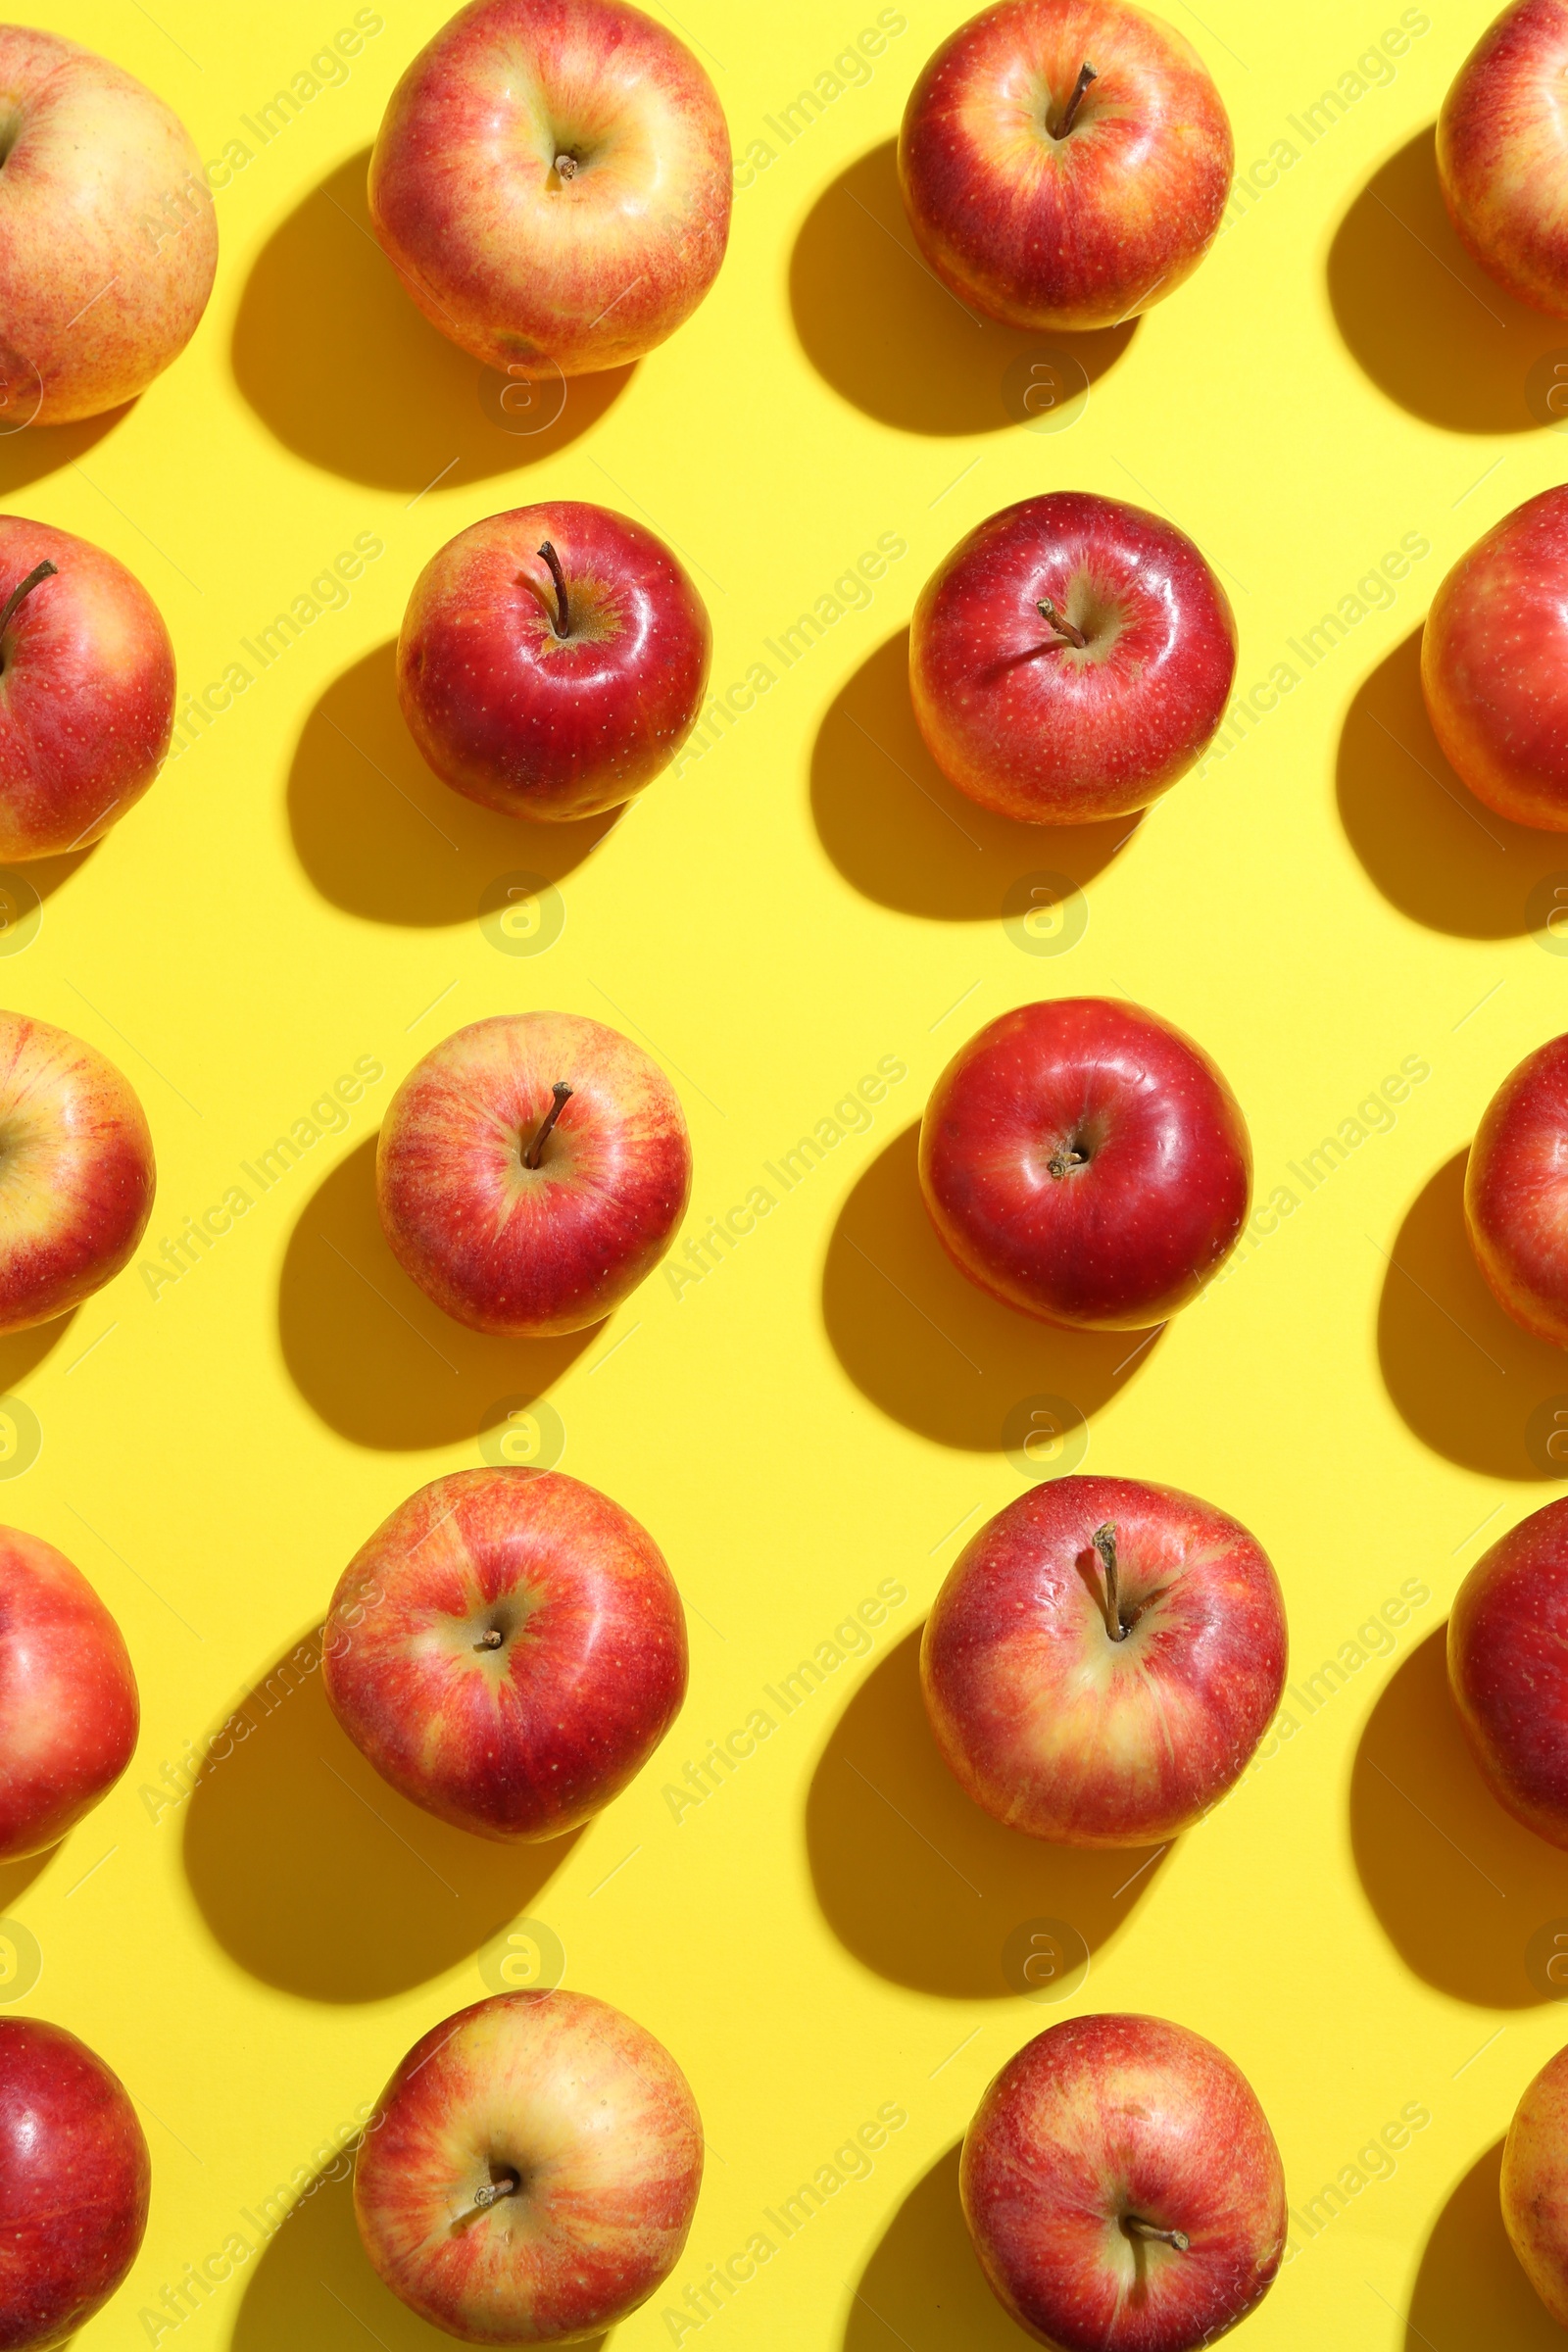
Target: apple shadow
[[319, 1878], [1465, 1377], [1471, 2287], [38, 449], [333, 357], [379, 832], [371, 1354], [1458, 1886], [923, 2287], [1431, 847], [906, 838], [1424, 320], [17, 1877], [916, 1881], [885, 332], [22, 1351], [930, 1350]]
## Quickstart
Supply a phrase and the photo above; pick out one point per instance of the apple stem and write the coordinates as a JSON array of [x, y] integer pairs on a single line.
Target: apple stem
[[562, 1092], [1086, 75], [563, 615], [40, 571], [1070, 1156], [490, 1641], [1104, 1541], [484, 2198], [1060, 622], [565, 167], [1136, 2226]]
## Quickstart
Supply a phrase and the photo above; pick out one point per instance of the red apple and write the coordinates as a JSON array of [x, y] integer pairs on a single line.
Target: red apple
[[74, 2177], [1501, 152], [69, 1710], [530, 2172], [552, 661], [1516, 1193], [1103, 1660], [1508, 1669], [108, 236], [1495, 664], [86, 689], [508, 1649], [1123, 2189], [531, 1170], [1086, 1163], [1070, 658], [552, 183], [1535, 2185], [77, 1171], [1064, 163]]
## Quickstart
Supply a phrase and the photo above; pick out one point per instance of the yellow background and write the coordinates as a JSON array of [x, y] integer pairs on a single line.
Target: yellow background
[[823, 1936]]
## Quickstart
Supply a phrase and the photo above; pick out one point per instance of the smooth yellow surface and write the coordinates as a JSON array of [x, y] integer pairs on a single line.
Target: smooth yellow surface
[[821, 1937]]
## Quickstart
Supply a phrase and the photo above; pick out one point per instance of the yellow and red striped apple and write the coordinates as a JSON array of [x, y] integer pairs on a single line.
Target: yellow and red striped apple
[[69, 1708], [551, 182], [86, 689], [1535, 2185], [1516, 1194], [77, 1171], [508, 1649], [1103, 1659], [108, 236], [532, 1170], [531, 2170], [1123, 2189], [1495, 664], [1502, 153], [1065, 163]]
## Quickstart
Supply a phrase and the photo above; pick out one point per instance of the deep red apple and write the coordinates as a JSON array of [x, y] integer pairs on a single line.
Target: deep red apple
[[1123, 2190], [531, 2170], [108, 236], [75, 1171], [508, 1648], [1064, 163], [1535, 2185], [75, 2178], [531, 1170], [1516, 1193], [552, 183], [1495, 664], [1508, 1669], [86, 689], [1070, 658], [69, 1710], [1501, 152], [1103, 1659], [553, 660], [1086, 1163]]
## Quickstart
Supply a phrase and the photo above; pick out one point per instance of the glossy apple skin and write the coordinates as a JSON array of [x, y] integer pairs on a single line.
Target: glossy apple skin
[[69, 1709], [532, 1252], [76, 1172], [535, 1737], [74, 2178], [1516, 1194], [529, 273], [1140, 1228], [1535, 2185], [1508, 1669], [595, 2119], [523, 719], [108, 235], [1105, 2117], [1031, 725], [1502, 153], [1057, 1729], [86, 693], [1071, 234], [1495, 664]]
